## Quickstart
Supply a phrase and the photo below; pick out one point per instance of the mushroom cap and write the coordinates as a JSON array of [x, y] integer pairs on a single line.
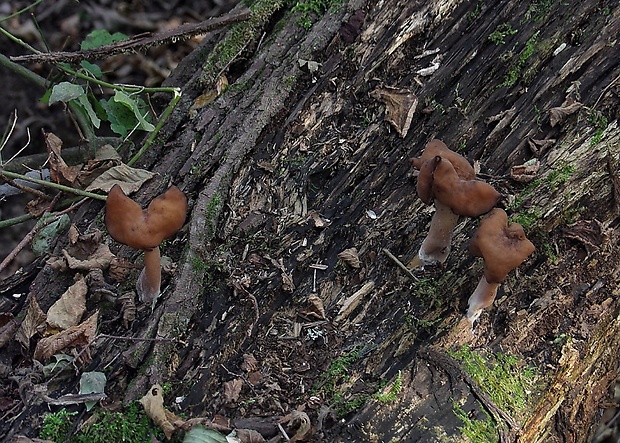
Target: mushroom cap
[[439, 180], [436, 147], [503, 246], [129, 224]]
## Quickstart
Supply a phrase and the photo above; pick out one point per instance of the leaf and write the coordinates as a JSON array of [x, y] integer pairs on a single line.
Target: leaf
[[200, 434], [400, 105], [65, 92], [42, 241], [33, 323], [80, 335], [121, 97], [128, 178], [67, 311], [99, 259], [120, 117], [92, 382], [153, 403], [557, 114], [62, 361], [101, 37], [91, 68], [350, 257], [92, 115]]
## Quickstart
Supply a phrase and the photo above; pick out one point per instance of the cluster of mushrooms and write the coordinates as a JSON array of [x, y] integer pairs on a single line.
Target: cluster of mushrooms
[[447, 179], [145, 229]]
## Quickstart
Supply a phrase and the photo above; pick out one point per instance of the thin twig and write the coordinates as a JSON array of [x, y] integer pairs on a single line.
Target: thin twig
[[400, 265], [23, 188], [53, 185]]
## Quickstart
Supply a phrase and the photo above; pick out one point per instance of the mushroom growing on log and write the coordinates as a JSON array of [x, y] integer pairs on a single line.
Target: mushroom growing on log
[[145, 229], [448, 179], [503, 247]]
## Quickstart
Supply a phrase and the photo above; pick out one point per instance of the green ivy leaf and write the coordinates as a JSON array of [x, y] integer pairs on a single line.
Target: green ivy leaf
[[121, 97], [92, 68], [200, 434], [121, 118], [101, 37], [65, 92], [92, 383], [94, 119]]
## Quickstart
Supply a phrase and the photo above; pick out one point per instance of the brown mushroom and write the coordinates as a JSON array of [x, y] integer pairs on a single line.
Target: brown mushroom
[[455, 192], [145, 229], [436, 147], [503, 247]]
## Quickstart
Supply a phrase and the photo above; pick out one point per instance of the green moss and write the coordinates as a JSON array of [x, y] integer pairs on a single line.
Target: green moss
[[514, 73], [130, 426], [538, 10], [239, 37], [501, 32], [600, 123], [506, 379], [477, 431], [309, 8], [211, 213]]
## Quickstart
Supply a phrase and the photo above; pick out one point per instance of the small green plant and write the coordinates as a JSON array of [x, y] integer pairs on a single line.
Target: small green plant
[[393, 391], [478, 431], [530, 48], [600, 123], [538, 9], [57, 425], [498, 37]]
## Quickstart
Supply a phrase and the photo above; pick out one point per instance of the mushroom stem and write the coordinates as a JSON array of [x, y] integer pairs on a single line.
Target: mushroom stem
[[482, 297], [149, 281], [436, 246]]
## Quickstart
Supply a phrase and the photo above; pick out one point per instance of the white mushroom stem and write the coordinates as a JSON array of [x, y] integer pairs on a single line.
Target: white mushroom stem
[[149, 282], [436, 246], [483, 297]]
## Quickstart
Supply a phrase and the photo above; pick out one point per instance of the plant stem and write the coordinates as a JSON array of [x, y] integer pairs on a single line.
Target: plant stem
[[21, 11], [54, 185], [15, 220], [24, 72], [164, 116]]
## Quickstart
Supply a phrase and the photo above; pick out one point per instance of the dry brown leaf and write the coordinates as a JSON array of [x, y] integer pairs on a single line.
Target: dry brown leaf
[[8, 329], [315, 308], [300, 421], [33, 323], [153, 403], [525, 173], [128, 308], [80, 335], [400, 105], [128, 178], [350, 257], [67, 311], [36, 207], [318, 220], [60, 172], [538, 147], [120, 268], [249, 436], [556, 115], [232, 390], [250, 363], [100, 259]]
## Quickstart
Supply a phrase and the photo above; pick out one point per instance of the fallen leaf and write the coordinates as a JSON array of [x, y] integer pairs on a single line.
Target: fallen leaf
[[557, 114], [128, 178], [249, 436], [8, 329], [592, 234], [232, 390], [350, 257], [67, 311], [400, 105], [45, 237], [33, 323], [153, 403], [538, 147], [92, 383], [59, 170], [315, 307], [100, 259], [128, 308], [300, 421], [250, 363], [120, 268], [526, 172], [80, 335], [200, 434]]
